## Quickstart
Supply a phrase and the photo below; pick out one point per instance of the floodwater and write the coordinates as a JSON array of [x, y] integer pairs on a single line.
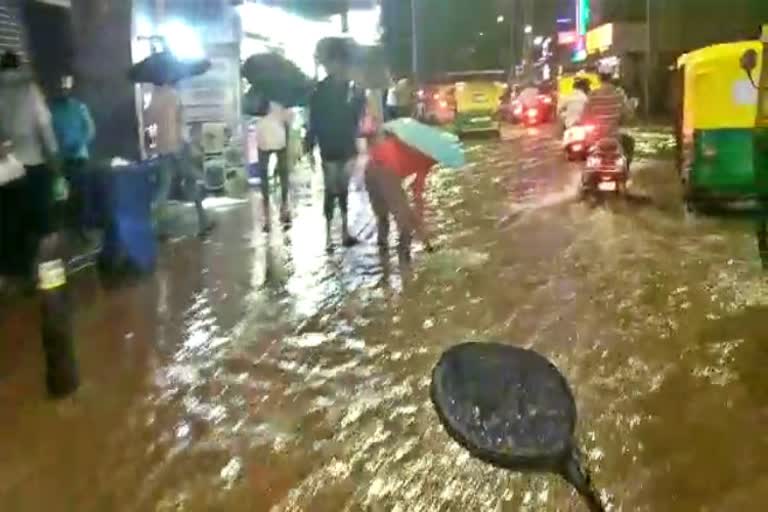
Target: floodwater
[[258, 373]]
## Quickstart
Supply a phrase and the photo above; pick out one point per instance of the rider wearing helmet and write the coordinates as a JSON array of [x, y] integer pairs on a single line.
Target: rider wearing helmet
[[607, 108]]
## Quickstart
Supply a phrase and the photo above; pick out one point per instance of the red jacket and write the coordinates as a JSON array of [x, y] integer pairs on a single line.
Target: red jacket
[[403, 160]]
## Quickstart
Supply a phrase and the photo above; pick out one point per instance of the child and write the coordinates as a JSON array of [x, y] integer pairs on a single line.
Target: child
[[390, 163]]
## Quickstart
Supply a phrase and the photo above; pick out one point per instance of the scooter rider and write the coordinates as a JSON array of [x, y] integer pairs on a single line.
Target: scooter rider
[[607, 108], [572, 109]]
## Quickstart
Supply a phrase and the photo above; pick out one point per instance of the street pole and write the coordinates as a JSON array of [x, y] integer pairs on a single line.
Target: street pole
[[62, 376], [512, 39], [648, 60], [414, 40]]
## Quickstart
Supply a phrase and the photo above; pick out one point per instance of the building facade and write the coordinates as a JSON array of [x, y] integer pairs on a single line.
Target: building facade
[[676, 27]]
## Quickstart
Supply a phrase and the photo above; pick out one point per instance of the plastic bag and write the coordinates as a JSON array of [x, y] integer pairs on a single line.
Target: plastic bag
[[10, 169], [60, 189]]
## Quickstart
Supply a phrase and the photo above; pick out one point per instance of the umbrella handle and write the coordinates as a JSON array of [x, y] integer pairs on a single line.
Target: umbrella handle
[[579, 477]]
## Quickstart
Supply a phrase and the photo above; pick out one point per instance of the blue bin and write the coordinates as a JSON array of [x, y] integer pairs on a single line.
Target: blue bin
[[129, 238]]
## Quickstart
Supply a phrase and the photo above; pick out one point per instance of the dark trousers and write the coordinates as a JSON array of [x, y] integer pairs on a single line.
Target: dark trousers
[[281, 170], [40, 196], [628, 146], [15, 249], [75, 173], [26, 216], [387, 196]]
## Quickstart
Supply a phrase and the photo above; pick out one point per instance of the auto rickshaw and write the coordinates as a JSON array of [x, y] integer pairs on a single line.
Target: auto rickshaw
[[566, 82], [722, 124], [478, 97]]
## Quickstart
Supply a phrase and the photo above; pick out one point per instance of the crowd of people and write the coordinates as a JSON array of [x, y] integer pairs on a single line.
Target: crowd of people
[[340, 112], [46, 143], [41, 143]]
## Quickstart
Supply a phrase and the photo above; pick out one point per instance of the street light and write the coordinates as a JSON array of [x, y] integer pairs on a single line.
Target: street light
[[500, 19], [538, 40], [528, 29]]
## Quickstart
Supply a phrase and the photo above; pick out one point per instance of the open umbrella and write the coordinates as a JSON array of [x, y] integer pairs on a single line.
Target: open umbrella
[[331, 44], [165, 68], [511, 408], [443, 147], [277, 79]]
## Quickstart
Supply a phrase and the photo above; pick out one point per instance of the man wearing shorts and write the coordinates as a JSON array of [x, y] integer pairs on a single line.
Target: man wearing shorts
[[335, 112]]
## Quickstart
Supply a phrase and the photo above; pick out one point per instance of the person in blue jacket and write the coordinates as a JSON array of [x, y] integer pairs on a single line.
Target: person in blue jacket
[[74, 129]]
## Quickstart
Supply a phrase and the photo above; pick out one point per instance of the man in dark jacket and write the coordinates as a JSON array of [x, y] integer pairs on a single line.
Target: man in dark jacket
[[335, 111]]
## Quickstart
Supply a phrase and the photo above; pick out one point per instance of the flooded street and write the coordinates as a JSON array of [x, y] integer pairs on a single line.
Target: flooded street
[[255, 372]]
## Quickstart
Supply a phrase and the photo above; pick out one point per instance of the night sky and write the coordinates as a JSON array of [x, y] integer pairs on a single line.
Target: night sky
[[462, 34]]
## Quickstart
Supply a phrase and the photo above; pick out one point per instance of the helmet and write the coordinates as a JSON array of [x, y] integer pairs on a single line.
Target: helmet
[[606, 68]]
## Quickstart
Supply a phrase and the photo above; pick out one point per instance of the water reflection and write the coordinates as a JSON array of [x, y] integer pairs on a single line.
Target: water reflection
[[260, 373]]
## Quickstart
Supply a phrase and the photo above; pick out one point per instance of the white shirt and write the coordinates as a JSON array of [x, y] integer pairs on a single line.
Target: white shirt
[[271, 129], [573, 108], [164, 111], [25, 119]]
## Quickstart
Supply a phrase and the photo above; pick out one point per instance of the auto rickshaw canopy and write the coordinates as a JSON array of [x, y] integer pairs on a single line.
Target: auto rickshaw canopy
[[717, 92], [566, 82]]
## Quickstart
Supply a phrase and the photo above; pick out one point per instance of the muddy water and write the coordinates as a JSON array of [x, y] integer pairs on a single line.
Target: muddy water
[[260, 374]]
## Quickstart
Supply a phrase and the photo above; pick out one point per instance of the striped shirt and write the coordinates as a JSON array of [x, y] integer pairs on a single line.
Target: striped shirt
[[605, 108]]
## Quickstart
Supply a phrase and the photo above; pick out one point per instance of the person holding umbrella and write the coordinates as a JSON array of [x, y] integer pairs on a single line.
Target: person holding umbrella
[[276, 86], [165, 112], [165, 116], [335, 111], [406, 149]]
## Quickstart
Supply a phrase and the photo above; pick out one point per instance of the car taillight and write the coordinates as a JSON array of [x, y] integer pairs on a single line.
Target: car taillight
[[533, 113]]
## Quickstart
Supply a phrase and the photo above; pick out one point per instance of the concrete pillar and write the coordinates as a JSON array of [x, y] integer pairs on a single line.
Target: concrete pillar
[[50, 41], [102, 33]]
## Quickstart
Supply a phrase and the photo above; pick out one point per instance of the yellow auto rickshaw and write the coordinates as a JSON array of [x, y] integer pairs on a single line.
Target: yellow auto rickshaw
[[478, 97], [722, 122]]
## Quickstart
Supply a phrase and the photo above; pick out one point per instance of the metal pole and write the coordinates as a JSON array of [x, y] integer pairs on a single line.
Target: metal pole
[[414, 40], [648, 60], [512, 39]]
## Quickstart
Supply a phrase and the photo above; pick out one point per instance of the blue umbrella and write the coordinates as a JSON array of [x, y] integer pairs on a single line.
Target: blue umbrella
[[443, 147]]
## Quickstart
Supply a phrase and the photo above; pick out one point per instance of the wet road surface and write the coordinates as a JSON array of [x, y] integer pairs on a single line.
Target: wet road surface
[[257, 373]]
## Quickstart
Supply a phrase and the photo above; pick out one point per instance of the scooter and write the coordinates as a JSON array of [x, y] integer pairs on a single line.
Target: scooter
[[606, 170], [532, 116], [577, 140]]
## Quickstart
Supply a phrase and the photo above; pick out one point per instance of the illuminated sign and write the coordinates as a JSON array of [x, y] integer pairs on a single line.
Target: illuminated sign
[[580, 56], [567, 38], [583, 15], [599, 39]]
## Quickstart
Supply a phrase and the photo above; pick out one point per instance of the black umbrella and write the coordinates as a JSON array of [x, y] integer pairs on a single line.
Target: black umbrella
[[276, 78], [165, 68], [334, 44], [512, 408]]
